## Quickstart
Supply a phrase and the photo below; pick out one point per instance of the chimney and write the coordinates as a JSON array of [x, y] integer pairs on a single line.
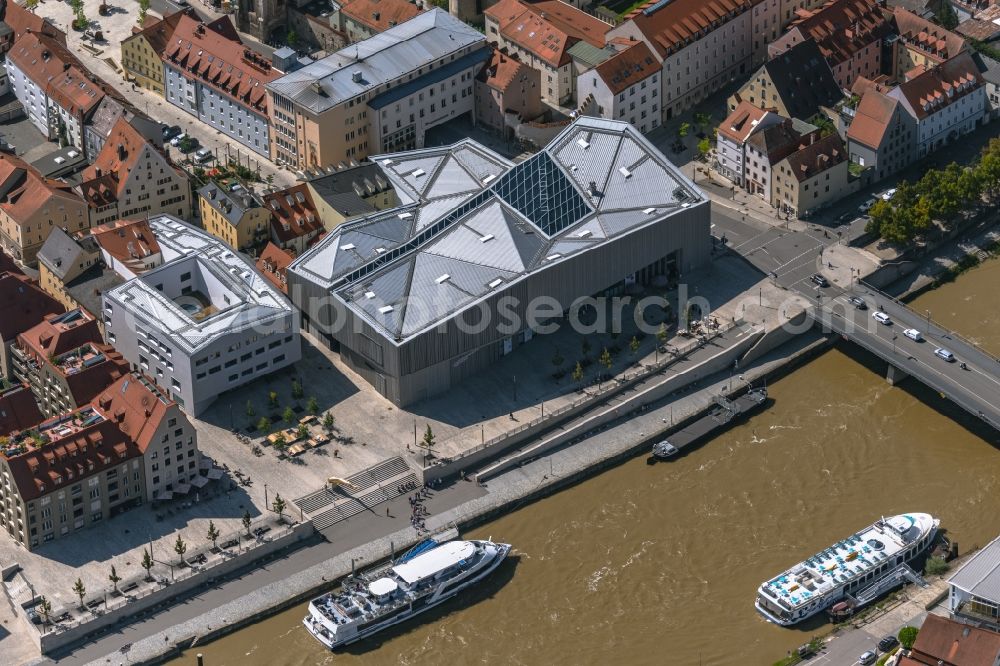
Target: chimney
[[356, 76], [592, 188], [97, 170]]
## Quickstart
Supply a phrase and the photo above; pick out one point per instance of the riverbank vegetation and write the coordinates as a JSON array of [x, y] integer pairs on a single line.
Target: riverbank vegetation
[[939, 201]]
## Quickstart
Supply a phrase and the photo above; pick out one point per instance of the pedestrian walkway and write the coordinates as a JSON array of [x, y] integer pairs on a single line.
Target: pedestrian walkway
[[359, 483]]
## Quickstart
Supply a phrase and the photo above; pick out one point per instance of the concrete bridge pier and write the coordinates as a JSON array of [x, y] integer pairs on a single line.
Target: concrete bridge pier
[[894, 375]]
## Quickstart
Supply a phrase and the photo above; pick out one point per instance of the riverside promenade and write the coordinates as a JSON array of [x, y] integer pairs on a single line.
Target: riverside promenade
[[372, 536]]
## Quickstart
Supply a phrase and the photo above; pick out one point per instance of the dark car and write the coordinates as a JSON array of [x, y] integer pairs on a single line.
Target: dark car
[[819, 280], [170, 132], [887, 643], [858, 302]]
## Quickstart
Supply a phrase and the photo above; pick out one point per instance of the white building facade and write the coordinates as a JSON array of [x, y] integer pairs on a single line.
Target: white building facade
[[204, 322]]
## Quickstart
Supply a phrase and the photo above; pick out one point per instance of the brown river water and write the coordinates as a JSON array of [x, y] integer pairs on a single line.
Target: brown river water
[[659, 565]]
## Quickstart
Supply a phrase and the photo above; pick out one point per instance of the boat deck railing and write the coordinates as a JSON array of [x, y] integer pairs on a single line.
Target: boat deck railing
[[892, 578]]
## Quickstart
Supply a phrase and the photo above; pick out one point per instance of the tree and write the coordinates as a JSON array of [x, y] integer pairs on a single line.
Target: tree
[[288, 415], [683, 130], [272, 399], [704, 147], [186, 144], [280, 442], [213, 534], [633, 345], [80, 22], [297, 392], [936, 566], [180, 548], [302, 432], [269, 180], [702, 120], [278, 506], [251, 412], [114, 578], [328, 422], [45, 609], [246, 522], [31, 4], [662, 335], [80, 589], [143, 9], [428, 440], [605, 359], [147, 562], [264, 425], [312, 406], [578, 373], [907, 636]]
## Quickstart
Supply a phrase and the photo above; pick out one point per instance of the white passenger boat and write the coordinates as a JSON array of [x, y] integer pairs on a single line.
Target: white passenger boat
[[428, 575], [846, 568]]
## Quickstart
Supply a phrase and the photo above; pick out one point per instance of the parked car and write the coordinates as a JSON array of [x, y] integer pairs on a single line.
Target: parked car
[[887, 643], [913, 334], [941, 352], [866, 206], [176, 141], [819, 280], [204, 155], [169, 132], [858, 302], [889, 194], [867, 658], [882, 318]]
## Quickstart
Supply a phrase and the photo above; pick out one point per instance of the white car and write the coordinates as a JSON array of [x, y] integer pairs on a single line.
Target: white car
[[176, 141], [882, 318], [945, 354], [913, 334], [889, 194], [866, 206]]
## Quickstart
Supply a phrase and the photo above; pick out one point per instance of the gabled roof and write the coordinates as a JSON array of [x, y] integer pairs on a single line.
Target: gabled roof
[[872, 119], [272, 264], [944, 642], [346, 190], [214, 54], [60, 251], [20, 19], [105, 180], [803, 79], [776, 141], [547, 28], [293, 213], [978, 29], [929, 37], [988, 68], [23, 304], [380, 15], [628, 67], [817, 157], [159, 31], [59, 333], [669, 25], [131, 242], [501, 70], [18, 409], [841, 28], [23, 191], [940, 86], [57, 72], [742, 122]]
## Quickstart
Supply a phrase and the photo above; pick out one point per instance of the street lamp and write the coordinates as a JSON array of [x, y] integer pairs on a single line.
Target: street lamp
[[928, 321], [894, 343]]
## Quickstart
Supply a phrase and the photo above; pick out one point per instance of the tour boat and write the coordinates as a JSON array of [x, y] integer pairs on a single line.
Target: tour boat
[[857, 569], [428, 575]]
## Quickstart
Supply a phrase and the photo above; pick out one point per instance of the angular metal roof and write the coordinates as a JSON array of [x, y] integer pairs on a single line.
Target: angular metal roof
[[473, 223], [980, 575]]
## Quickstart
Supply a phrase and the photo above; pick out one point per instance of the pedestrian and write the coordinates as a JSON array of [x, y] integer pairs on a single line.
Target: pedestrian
[[386, 512]]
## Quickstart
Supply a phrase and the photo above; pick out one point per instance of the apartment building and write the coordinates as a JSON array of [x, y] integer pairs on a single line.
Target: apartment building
[[295, 220], [31, 206], [102, 123], [380, 94], [361, 19], [64, 361], [15, 22], [273, 264], [625, 87], [210, 74], [504, 86], [25, 305], [946, 102], [990, 71], [58, 93], [882, 135], [236, 217], [701, 47], [766, 148], [850, 35], [733, 134], [540, 34], [796, 83], [920, 43], [18, 409], [131, 177], [812, 177], [130, 445], [141, 50], [348, 193], [202, 323]]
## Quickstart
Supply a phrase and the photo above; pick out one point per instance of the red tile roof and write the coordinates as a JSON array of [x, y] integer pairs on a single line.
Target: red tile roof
[[940, 86], [501, 70], [944, 642], [872, 119], [57, 334], [681, 22], [293, 213], [214, 55], [23, 190], [627, 68], [137, 406], [18, 409], [55, 70], [548, 28], [272, 264], [817, 157], [23, 304], [128, 241], [929, 37], [741, 122], [380, 15], [841, 28], [21, 20], [159, 31]]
